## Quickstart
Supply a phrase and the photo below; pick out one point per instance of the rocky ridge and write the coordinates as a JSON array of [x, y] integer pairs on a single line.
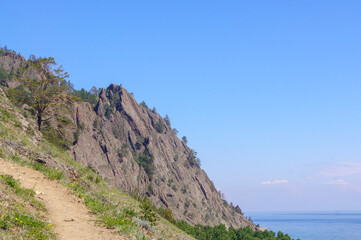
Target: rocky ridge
[[133, 147]]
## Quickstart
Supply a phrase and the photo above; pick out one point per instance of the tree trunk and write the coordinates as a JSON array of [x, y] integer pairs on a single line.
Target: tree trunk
[[40, 120]]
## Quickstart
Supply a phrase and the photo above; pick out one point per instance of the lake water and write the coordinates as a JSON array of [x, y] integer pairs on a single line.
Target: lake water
[[312, 225]]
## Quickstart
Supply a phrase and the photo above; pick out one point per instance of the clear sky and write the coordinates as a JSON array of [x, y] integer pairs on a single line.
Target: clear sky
[[267, 92]]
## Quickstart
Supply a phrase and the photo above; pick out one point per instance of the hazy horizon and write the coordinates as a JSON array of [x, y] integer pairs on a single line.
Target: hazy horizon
[[267, 93]]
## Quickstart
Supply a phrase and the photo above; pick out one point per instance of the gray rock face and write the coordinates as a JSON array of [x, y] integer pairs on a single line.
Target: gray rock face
[[135, 149], [9, 62]]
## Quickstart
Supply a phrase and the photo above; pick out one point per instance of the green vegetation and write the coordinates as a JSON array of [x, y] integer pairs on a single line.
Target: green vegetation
[[5, 115], [123, 151], [76, 135], [114, 209], [220, 232], [167, 214], [193, 159], [143, 104], [49, 172], [87, 96], [18, 95], [108, 111], [115, 103], [147, 212], [145, 160], [21, 216], [8, 117], [4, 50], [160, 127], [185, 140], [96, 123], [55, 137], [176, 157], [116, 133], [148, 209], [5, 77], [45, 84], [167, 120]]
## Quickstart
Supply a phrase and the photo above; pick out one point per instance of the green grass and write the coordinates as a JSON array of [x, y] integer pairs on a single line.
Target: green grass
[[5, 115], [10, 181], [26, 194], [27, 226], [23, 215], [113, 208], [49, 172], [9, 117]]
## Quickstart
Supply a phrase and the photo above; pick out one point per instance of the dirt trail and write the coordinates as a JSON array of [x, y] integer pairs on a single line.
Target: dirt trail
[[71, 218]]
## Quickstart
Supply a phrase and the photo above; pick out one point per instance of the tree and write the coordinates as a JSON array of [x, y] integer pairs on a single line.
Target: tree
[[160, 127], [32, 57], [94, 91], [221, 194], [198, 162], [146, 211], [144, 105], [167, 120], [46, 85], [184, 140], [86, 96], [193, 159]]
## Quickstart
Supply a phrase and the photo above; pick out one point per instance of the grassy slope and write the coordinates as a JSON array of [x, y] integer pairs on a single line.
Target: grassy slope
[[21, 215], [114, 208]]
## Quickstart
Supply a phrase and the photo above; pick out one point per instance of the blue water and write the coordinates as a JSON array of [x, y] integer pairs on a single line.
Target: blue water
[[312, 225]]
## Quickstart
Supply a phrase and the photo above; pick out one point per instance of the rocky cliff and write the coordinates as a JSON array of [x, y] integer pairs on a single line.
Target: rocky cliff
[[9, 62], [133, 147]]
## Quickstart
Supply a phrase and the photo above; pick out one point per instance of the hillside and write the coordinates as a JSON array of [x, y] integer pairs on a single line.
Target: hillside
[[71, 201], [70, 217], [134, 148], [114, 162]]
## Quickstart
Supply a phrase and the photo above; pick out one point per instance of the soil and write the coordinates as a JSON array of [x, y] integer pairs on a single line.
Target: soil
[[70, 217]]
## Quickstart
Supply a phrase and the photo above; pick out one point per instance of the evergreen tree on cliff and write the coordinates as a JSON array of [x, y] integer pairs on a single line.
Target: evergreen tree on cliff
[[46, 84]]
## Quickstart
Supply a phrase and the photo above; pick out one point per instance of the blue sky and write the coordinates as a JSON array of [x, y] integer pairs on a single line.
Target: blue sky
[[267, 92]]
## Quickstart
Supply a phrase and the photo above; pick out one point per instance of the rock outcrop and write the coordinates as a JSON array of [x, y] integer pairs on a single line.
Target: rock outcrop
[[133, 147], [9, 62]]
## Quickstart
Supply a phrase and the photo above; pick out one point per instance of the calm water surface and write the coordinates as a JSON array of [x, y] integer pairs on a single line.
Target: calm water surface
[[312, 225]]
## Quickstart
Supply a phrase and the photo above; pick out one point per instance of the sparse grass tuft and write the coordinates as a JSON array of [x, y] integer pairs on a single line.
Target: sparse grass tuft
[[23, 216], [49, 172]]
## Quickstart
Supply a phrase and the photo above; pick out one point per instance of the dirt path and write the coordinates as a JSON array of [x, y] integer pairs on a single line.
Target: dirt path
[[71, 218]]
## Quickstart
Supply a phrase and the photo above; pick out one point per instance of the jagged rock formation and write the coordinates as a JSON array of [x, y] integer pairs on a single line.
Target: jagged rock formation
[[9, 62], [133, 147]]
